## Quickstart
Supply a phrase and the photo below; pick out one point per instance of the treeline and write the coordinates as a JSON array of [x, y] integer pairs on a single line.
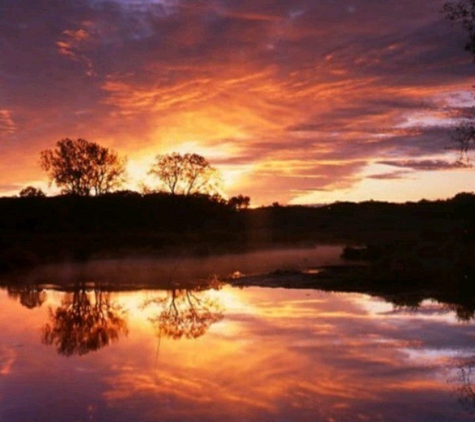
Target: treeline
[[119, 211], [367, 221], [34, 230], [41, 229], [128, 211]]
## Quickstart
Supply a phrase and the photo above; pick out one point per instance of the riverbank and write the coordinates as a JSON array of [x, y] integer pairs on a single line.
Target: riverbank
[[37, 231]]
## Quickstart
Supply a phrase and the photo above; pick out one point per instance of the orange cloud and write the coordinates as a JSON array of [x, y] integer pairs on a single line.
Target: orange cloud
[[71, 46], [261, 91], [7, 125]]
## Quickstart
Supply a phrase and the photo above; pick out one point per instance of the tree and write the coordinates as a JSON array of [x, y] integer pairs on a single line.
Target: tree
[[240, 202], [185, 174], [31, 192], [464, 136], [81, 167], [463, 12]]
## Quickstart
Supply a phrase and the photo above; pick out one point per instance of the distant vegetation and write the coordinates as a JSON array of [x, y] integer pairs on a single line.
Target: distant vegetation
[[40, 229], [30, 191], [240, 202]]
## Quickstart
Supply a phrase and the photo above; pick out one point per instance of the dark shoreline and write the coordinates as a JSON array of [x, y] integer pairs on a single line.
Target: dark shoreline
[[458, 294], [418, 247]]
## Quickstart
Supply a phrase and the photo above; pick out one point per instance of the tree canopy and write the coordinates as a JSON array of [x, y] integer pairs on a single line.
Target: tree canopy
[[463, 12], [185, 174], [464, 137], [240, 202], [31, 192], [80, 167]]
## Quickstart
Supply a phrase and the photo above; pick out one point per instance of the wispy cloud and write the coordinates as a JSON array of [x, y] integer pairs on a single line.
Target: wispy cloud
[[393, 175], [303, 94], [7, 125], [426, 165], [71, 45]]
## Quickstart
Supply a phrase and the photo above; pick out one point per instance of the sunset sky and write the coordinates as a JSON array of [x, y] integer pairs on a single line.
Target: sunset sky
[[303, 101]]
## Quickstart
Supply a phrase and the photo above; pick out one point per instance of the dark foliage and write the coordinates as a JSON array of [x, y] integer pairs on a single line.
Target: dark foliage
[[84, 322], [80, 167], [463, 13], [35, 230], [30, 192], [240, 202]]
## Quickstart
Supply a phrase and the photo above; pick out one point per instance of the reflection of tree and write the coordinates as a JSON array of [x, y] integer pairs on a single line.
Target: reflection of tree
[[405, 301], [29, 296], [463, 312], [185, 312], [84, 322], [465, 385]]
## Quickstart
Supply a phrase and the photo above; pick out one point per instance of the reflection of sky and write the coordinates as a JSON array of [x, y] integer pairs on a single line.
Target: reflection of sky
[[277, 355]]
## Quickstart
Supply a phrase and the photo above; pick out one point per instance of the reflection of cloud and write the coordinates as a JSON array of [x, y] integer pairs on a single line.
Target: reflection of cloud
[[290, 355], [7, 359], [319, 357]]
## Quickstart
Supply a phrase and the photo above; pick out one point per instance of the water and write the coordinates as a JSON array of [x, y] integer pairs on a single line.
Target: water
[[88, 352]]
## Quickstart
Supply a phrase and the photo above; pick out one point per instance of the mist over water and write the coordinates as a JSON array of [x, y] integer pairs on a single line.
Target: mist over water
[[159, 271]]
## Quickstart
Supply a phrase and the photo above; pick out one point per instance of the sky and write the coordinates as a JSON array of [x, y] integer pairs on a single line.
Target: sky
[[297, 102]]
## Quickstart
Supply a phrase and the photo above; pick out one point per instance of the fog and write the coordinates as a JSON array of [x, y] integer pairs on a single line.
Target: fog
[[136, 272]]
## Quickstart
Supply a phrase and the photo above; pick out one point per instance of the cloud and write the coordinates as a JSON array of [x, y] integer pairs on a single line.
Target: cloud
[[426, 165], [262, 83], [71, 44], [394, 175], [9, 187], [7, 125]]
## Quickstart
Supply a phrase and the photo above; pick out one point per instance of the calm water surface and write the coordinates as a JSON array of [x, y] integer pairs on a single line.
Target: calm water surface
[[220, 353]]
